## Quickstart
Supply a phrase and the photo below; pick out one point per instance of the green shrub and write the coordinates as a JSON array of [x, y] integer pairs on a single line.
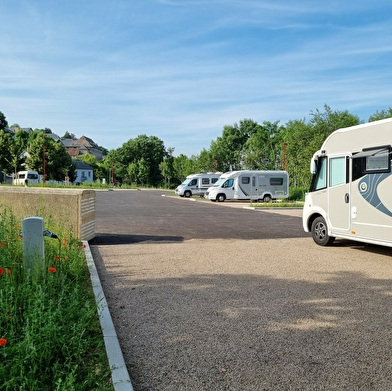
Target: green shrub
[[50, 336], [297, 194]]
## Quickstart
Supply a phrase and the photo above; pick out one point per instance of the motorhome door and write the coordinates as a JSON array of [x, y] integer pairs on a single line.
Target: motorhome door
[[243, 187], [339, 197]]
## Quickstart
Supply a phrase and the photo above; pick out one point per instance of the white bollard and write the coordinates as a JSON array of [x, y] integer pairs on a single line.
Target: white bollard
[[33, 240]]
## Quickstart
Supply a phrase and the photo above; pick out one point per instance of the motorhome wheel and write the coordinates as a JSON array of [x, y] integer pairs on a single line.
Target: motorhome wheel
[[221, 198], [187, 193], [320, 232], [267, 198]]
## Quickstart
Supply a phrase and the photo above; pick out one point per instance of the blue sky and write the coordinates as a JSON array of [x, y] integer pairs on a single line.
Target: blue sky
[[182, 69]]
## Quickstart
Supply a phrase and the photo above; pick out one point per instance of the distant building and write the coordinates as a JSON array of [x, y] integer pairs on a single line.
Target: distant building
[[81, 146], [84, 172]]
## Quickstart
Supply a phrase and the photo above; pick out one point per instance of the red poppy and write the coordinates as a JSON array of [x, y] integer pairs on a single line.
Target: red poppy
[[1, 271], [56, 258], [2, 244], [3, 341], [9, 271], [52, 269]]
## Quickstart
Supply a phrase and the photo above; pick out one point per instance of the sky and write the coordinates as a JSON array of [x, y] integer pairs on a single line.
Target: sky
[[181, 70]]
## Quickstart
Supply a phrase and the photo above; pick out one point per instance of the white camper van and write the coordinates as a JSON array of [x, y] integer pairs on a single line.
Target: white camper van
[[26, 178], [250, 185], [197, 184], [350, 193]]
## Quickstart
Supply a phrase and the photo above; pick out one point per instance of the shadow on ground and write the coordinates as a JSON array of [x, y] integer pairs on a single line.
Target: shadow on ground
[[111, 239]]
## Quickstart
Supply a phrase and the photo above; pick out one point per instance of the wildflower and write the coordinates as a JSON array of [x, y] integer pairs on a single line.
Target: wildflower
[[2, 244], [66, 258], [52, 269], [84, 246], [3, 341], [1, 271], [56, 258], [9, 271], [64, 242]]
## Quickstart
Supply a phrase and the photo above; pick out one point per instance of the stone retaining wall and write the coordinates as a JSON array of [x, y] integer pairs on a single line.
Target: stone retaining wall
[[74, 208]]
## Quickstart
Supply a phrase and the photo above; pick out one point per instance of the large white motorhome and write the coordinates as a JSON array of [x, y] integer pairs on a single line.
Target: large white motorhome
[[197, 184], [350, 193], [251, 185]]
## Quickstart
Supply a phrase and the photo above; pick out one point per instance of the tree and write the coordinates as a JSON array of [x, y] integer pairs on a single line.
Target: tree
[[183, 167], [304, 139], [143, 171], [229, 148], [11, 160], [3, 121], [167, 167], [22, 140], [68, 135], [88, 158], [150, 149], [383, 114], [47, 156], [262, 150]]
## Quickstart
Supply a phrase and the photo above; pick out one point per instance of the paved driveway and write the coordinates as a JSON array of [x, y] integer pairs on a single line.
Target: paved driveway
[[136, 216], [253, 305]]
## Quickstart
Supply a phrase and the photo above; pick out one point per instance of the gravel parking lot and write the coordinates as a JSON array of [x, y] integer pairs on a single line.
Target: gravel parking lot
[[267, 314]]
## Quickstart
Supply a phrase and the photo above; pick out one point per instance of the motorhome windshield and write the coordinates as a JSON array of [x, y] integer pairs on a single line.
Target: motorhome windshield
[[219, 182]]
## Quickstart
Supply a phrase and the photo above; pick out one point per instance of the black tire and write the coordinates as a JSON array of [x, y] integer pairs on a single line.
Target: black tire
[[320, 232], [182, 195], [267, 198], [220, 197], [187, 194]]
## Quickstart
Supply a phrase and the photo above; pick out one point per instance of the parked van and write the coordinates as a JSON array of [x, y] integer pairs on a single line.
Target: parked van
[[350, 193], [197, 184], [26, 178], [251, 185]]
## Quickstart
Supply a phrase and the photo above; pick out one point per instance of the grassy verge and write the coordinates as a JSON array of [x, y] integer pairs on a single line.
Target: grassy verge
[[50, 336], [278, 204]]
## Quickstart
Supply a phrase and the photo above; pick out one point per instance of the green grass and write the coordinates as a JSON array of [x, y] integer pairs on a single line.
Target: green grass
[[279, 204], [50, 335]]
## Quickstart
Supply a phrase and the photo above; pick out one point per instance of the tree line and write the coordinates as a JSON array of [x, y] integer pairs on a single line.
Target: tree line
[[146, 161]]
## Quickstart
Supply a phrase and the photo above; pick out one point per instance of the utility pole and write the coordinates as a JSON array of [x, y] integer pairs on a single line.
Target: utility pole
[[44, 153]]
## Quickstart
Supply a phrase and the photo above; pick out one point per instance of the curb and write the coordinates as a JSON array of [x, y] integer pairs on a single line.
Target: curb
[[120, 375]]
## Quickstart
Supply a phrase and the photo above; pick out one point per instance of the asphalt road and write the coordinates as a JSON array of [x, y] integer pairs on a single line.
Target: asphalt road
[[124, 217]]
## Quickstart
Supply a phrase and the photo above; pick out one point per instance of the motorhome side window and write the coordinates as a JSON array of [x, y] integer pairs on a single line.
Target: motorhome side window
[[205, 181], [371, 161], [276, 181], [228, 183], [214, 180], [192, 182], [378, 162], [245, 180], [337, 170], [320, 178]]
